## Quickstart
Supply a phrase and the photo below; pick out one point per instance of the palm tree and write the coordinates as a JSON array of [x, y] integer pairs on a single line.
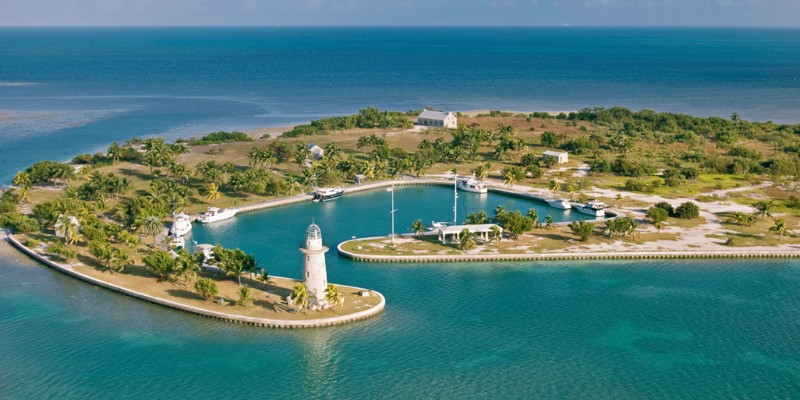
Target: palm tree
[[299, 295], [418, 227], [509, 177], [235, 268], [114, 151], [555, 186], [482, 172], [333, 295], [333, 151], [496, 234], [264, 277], [244, 296], [151, 225], [548, 221], [179, 171], [618, 200], [763, 208], [779, 228], [120, 258], [189, 264], [212, 192], [23, 181], [534, 216], [68, 227], [466, 240]]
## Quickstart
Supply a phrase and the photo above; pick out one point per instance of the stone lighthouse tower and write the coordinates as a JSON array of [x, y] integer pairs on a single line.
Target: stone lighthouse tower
[[315, 274]]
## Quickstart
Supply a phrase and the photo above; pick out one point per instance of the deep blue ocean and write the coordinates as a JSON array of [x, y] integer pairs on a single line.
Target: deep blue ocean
[[716, 329], [71, 90]]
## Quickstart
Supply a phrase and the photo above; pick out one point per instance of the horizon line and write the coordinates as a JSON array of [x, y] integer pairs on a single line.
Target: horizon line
[[565, 26]]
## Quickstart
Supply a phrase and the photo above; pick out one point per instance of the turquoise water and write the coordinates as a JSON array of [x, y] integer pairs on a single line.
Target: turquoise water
[[634, 329], [65, 91], [644, 329]]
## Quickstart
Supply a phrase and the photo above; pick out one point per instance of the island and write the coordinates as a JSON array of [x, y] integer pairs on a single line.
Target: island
[[654, 184]]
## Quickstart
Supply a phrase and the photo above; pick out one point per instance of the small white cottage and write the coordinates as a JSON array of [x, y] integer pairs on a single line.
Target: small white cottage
[[315, 151], [561, 158], [437, 119]]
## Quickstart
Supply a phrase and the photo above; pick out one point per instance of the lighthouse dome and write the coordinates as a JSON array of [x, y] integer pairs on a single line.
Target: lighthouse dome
[[313, 232]]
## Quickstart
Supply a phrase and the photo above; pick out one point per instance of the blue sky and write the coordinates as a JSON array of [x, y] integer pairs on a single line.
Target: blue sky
[[783, 13]]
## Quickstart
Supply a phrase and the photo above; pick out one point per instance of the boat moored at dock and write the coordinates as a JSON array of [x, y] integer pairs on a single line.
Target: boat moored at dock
[[181, 225], [326, 194], [558, 203], [215, 214], [470, 184], [593, 208]]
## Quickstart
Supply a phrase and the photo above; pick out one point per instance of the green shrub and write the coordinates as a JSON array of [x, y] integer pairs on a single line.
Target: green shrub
[[687, 210], [582, 229], [206, 288]]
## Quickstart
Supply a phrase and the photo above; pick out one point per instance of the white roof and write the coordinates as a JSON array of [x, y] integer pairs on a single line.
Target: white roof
[[453, 229], [436, 115], [555, 153]]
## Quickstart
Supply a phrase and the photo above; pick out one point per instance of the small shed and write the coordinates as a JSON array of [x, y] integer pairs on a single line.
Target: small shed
[[315, 151], [359, 179], [452, 233], [437, 119], [560, 157]]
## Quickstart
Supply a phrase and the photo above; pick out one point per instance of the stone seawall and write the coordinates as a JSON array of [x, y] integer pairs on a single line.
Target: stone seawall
[[265, 322], [617, 255]]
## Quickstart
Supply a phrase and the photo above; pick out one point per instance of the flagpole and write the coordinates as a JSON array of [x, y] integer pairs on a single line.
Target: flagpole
[[391, 189]]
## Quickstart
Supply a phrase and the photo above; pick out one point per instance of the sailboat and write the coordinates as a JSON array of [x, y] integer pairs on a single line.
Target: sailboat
[[437, 225]]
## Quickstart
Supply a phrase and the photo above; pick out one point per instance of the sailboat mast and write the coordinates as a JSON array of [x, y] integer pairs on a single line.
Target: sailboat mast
[[455, 199]]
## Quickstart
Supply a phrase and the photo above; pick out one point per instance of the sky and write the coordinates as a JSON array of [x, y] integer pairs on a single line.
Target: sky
[[746, 13]]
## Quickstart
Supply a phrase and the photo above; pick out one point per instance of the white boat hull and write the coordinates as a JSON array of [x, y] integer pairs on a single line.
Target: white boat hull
[[327, 194], [591, 211], [218, 215], [562, 204], [181, 225], [472, 186]]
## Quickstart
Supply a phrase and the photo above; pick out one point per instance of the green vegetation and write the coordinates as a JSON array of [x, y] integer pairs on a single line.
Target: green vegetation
[[366, 118], [582, 229], [206, 288], [687, 210], [219, 137]]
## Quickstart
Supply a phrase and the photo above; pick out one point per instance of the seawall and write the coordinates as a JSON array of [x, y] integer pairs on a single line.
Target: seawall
[[234, 318], [563, 256]]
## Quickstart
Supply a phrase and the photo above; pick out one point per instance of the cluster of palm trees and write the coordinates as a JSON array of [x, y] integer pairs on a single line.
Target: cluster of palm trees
[[622, 226], [300, 295], [101, 186]]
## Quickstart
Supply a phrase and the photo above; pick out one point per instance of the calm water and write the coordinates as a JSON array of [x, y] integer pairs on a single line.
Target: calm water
[[689, 329], [67, 91], [647, 329]]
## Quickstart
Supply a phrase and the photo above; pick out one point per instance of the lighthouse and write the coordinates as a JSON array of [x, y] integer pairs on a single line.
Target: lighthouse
[[315, 275]]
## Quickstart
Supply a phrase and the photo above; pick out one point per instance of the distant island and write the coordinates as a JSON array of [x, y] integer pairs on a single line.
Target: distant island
[[674, 184]]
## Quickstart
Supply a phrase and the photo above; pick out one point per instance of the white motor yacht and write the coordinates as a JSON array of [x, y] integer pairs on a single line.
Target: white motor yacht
[[215, 214], [181, 225], [470, 184]]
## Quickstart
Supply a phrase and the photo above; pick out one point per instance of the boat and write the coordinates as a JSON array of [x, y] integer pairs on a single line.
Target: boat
[[593, 208], [558, 203], [325, 194], [215, 214], [470, 184], [181, 225], [177, 242]]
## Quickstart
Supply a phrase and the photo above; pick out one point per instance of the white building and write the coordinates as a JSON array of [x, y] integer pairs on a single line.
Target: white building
[[452, 233], [315, 151], [437, 119], [315, 274], [561, 158]]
